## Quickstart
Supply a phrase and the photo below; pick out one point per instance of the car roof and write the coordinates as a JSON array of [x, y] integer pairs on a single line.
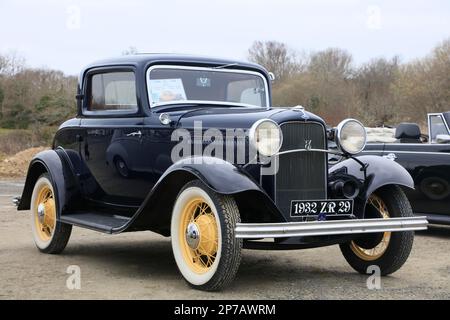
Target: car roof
[[142, 60]]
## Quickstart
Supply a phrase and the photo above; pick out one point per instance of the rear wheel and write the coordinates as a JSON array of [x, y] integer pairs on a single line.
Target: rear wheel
[[50, 235], [388, 250], [203, 238]]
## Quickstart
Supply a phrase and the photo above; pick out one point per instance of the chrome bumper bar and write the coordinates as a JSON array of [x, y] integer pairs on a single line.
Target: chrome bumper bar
[[321, 228]]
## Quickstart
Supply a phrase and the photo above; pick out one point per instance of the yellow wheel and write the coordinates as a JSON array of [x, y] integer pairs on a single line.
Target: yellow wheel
[[45, 215], [49, 234], [387, 250], [371, 254], [203, 242], [198, 235]]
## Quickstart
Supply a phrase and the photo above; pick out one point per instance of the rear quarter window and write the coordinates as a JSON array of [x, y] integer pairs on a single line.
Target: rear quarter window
[[112, 91]]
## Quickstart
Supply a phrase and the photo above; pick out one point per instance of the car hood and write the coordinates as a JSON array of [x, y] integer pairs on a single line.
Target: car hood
[[229, 117]]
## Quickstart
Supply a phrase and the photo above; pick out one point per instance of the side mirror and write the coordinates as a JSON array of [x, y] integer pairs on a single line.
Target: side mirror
[[442, 138], [272, 76]]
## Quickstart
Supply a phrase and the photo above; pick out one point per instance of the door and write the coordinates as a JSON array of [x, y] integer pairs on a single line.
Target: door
[[157, 147], [112, 137]]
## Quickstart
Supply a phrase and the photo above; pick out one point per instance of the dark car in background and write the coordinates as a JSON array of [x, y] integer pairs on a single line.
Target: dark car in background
[[427, 158], [116, 167]]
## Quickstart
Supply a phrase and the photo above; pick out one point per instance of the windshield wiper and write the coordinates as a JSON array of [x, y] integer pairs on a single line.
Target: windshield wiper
[[219, 104], [197, 105], [226, 66]]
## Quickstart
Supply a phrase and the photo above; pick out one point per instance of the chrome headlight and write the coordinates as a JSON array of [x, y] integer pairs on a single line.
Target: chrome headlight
[[351, 136], [266, 137]]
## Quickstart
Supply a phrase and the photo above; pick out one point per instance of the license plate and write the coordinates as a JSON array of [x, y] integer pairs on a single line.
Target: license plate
[[301, 208]]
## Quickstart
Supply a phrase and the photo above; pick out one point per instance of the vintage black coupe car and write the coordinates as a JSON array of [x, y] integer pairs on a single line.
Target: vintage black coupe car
[[427, 159], [191, 148]]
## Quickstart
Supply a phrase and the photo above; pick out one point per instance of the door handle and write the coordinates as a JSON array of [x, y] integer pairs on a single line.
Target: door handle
[[390, 156], [135, 134]]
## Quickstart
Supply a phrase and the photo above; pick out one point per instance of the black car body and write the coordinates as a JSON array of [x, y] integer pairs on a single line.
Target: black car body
[[427, 159], [111, 169]]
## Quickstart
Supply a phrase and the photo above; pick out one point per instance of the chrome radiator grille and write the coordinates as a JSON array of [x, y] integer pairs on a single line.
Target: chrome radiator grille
[[301, 175]]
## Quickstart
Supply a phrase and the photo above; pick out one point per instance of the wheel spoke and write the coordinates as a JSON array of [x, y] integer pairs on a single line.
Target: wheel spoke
[[201, 258], [45, 224], [378, 250]]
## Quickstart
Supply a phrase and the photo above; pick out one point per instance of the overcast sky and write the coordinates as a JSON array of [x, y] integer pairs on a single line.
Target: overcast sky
[[67, 34]]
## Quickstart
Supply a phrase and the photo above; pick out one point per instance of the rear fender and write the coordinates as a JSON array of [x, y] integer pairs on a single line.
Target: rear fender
[[54, 163]]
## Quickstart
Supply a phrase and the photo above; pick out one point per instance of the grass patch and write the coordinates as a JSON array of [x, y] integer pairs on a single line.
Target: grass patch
[[6, 131], [15, 140]]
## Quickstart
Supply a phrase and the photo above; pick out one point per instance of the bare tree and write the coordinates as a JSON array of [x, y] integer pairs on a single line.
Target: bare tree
[[331, 63], [375, 82], [275, 56], [11, 63]]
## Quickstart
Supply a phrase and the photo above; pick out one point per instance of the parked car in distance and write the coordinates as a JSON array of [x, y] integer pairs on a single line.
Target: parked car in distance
[[191, 148], [427, 158]]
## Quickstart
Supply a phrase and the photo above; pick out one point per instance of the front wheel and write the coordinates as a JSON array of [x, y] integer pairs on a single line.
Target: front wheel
[[204, 245], [387, 250], [50, 235]]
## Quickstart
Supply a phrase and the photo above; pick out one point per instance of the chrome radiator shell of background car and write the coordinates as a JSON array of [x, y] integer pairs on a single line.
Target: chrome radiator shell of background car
[[331, 227]]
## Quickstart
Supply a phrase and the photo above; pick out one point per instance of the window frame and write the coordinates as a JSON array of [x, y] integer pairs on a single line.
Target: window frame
[[195, 68], [108, 113], [437, 114]]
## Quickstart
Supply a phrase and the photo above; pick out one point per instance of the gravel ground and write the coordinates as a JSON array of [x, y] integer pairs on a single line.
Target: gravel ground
[[141, 266]]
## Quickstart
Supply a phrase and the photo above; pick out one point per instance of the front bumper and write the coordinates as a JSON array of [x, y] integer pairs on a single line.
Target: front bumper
[[322, 228]]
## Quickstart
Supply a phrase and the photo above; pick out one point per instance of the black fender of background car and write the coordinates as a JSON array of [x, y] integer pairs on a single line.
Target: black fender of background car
[[53, 162], [218, 175], [380, 172]]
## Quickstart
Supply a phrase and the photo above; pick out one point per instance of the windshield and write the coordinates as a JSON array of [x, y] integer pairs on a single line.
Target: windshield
[[170, 85], [437, 126]]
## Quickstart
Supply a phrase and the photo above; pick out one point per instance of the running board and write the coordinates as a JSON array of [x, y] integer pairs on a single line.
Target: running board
[[95, 221], [321, 228]]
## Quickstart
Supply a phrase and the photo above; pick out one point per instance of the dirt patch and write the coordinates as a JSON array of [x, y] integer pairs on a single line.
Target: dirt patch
[[17, 165]]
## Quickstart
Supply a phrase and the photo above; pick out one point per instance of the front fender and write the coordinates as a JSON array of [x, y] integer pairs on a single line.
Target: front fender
[[52, 162], [380, 172], [218, 175]]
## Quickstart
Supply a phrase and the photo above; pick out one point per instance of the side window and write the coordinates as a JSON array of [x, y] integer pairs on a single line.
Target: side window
[[437, 126], [112, 91]]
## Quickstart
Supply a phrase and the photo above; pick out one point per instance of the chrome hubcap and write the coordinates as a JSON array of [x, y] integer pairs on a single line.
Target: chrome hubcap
[[192, 235], [41, 212]]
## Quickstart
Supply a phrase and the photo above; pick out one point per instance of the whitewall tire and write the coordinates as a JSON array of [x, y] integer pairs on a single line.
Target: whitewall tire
[[50, 235], [203, 240]]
